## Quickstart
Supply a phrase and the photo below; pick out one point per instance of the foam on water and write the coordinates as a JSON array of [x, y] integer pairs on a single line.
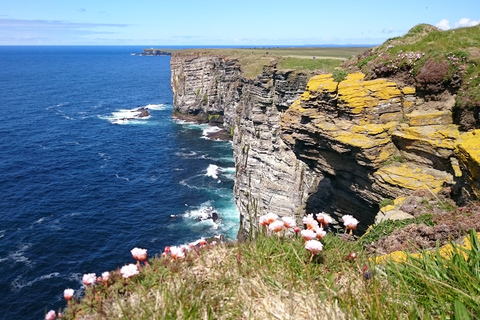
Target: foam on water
[[212, 171]]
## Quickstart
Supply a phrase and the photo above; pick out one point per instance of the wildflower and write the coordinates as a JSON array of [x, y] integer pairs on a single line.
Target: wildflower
[[177, 253], [296, 229], [289, 222], [202, 242], [320, 233], [271, 217], [129, 270], [308, 234], [167, 249], [350, 222], [105, 276], [89, 279], [311, 223], [324, 219], [314, 247], [276, 226], [68, 294], [51, 315], [139, 254]]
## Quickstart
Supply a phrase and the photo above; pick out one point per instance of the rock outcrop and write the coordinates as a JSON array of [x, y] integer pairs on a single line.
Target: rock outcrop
[[306, 143]]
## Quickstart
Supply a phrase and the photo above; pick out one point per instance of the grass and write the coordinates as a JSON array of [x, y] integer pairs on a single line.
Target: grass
[[428, 54], [252, 60], [275, 278]]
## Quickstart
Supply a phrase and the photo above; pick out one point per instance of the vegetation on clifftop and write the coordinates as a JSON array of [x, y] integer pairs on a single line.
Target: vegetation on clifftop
[[275, 277], [430, 59]]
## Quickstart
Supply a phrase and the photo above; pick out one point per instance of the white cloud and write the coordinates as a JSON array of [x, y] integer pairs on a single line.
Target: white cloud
[[444, 24], [463, 22], [466, 22]]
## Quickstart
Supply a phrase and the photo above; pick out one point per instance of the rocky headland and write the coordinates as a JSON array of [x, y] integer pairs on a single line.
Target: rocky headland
[[388, 123]]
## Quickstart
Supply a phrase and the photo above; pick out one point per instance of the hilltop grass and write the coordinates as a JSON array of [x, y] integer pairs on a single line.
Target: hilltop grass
[[275, 278], [252, 60], [430, 57]]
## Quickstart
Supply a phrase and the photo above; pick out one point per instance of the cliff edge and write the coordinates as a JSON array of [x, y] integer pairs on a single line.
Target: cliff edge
[[396, 119]]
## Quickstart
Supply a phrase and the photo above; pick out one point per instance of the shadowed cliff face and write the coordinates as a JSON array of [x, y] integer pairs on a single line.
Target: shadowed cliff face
[[306, 144]]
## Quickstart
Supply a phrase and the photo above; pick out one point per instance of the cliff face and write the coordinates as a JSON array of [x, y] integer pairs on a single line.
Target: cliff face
[[307, 144]]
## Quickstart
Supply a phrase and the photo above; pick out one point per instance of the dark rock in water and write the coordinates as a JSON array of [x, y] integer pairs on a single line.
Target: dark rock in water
[[211, 214], [143, 112]]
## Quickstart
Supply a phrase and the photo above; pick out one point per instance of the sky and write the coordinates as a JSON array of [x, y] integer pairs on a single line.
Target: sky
[[224, 22]]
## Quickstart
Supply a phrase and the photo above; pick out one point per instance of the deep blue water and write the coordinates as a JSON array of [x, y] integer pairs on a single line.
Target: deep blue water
[[80, 188]]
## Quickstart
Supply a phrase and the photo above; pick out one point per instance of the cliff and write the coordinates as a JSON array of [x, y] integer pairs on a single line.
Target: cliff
[[304, 142]]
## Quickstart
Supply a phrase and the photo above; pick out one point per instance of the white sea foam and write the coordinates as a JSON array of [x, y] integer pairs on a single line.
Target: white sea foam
[[209, 130], [2, 233], [126, 116], [120, 177], [212, 171], [19, 255], [155, 106], [18, 283]]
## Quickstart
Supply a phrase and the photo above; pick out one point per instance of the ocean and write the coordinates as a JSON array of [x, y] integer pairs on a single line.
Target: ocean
[[82, 181]]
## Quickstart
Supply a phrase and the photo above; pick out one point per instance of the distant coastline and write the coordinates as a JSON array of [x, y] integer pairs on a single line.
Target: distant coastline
[[153, 52]]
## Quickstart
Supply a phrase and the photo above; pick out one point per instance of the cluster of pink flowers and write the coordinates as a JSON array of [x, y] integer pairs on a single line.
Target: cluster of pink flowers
[[272, 222]]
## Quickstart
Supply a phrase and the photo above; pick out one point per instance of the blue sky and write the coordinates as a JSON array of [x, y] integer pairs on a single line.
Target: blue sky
[[223, 22]]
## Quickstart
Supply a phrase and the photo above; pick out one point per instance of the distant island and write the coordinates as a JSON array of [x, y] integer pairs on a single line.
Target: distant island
[[153, 52]]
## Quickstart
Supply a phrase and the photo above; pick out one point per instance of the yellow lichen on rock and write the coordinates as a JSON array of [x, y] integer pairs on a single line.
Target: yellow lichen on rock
[[430, 138], [468, 153], [322, 82], [374, 129], [411, 177], [425, 118], [359, 94], [408, 90]]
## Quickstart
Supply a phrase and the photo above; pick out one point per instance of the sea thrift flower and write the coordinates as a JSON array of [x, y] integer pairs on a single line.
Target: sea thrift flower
[[105, 276], [89, 279], [296, 229], [139, 254], [51, 315], [324, 219], [263, 221], [311, 223], [320, 233], [308, 234], [271, 217], [68, 294], [129, 270], [202, 242], [289, 222], [314, 247], [177, 253], [350, 222], [276, 226]]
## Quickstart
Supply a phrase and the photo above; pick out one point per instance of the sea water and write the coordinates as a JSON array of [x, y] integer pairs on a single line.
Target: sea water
[[83, 180]]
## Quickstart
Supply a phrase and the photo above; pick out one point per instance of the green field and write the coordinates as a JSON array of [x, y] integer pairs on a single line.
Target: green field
[[252, 60]]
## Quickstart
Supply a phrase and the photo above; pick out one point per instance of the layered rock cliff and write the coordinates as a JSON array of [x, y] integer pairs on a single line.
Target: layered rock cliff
[[306, 143]]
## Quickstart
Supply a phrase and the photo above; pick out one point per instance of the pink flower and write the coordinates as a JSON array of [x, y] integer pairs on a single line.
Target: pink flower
[[321, 233], [296, 229], [139, 254], [276, 226], [177, 253], [105, 276], [270, 218], [89, 279], [324, 219], [263, 221], [350, 222], [51, 315], [313, 246], [129, 270], [68, 294], [202, 242], [308, 234], [311, 223], [289, 222]]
